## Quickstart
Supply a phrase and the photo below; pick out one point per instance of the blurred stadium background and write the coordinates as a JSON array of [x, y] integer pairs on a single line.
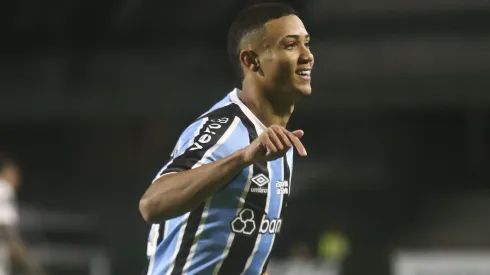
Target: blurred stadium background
[[93, 95]]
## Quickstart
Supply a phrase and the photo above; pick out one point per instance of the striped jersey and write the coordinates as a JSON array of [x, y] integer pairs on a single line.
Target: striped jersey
[[233, 231]]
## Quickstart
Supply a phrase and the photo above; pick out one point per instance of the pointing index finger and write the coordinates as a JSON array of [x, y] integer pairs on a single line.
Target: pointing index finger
[[296, 142]]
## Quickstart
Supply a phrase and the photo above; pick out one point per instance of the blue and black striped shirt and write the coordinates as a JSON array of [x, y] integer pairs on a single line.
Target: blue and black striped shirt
[[233, 231]]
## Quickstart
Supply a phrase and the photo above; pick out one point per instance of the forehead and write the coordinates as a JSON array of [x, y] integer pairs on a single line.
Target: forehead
[[286, 25]]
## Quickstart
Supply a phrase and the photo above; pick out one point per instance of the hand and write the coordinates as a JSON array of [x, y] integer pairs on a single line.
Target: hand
[[272, 144]]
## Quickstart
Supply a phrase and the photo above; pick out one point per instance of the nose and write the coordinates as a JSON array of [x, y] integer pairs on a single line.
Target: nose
[[306, 56]]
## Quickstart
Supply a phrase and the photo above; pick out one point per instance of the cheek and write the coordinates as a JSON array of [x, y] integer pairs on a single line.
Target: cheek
[[281, 69]]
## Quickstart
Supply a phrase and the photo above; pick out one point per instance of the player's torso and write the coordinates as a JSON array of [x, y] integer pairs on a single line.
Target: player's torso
[[233, 232]]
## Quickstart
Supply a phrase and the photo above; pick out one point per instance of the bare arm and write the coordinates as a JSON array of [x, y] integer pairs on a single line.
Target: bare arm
[[174, 194], [177, 193]]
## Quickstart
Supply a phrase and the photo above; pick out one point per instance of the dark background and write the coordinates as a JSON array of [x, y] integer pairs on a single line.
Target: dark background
[[93, 96]]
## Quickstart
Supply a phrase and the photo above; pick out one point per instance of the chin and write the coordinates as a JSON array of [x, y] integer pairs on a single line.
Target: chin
[[303, 90]]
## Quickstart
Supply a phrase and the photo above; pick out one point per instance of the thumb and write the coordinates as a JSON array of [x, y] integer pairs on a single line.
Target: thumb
[[299, 133]]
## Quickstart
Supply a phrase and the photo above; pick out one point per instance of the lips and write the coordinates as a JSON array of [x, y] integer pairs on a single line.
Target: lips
[[304, 73]]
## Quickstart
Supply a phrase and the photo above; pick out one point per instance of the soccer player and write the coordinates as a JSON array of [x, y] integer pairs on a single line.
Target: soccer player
[[218, 203]]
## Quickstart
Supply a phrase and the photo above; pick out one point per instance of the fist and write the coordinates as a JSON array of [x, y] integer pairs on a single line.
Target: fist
[[273, 143]]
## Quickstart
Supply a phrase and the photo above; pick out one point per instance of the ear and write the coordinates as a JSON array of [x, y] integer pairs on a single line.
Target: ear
[[250, 60]]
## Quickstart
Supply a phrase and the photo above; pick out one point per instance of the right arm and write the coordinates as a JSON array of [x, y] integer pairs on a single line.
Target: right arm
[[174, 194]]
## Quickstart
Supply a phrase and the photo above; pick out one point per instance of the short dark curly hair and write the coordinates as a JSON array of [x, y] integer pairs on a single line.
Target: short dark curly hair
[[249, 20]]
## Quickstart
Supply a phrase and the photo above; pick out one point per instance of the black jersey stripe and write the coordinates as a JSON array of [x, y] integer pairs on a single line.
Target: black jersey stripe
[[287, 177], [187, 239], [217, 122], [243, 245], [161, 232]]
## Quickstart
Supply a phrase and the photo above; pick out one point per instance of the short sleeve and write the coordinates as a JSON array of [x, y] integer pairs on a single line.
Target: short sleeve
[[207, 140]]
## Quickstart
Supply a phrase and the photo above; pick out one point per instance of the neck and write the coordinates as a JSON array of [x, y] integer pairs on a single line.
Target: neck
[[269, 110]]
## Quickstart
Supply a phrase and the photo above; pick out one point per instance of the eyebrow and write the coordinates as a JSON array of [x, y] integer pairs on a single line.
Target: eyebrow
[[295, 36]]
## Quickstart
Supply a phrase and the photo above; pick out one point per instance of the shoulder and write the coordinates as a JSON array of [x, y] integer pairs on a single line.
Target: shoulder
[[223, 123], [217, 127], [211, 137]]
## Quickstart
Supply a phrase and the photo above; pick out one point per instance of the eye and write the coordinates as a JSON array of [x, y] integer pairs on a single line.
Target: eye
[[307, 44], [291, 45]]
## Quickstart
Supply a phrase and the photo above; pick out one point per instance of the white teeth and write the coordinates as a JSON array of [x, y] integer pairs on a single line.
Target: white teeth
[[306, 72]]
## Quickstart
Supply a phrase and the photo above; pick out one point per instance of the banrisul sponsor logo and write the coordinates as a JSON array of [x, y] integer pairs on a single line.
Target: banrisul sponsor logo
[[260, 184], [244, 223], [270, 226]]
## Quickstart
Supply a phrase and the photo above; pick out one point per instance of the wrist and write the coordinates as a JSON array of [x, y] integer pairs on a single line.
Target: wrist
[[243, 158]]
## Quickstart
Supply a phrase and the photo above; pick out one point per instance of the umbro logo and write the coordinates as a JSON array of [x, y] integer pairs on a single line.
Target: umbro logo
[[260, 180]]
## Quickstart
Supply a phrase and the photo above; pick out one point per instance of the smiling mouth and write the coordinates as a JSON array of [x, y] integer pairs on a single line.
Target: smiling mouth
[[304, 74]]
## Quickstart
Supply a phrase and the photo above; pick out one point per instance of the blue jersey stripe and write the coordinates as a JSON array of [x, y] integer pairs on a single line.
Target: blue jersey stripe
[[167, 248]]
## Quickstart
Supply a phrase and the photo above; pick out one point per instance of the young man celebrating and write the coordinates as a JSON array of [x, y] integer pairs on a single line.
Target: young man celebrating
[[217, 205]]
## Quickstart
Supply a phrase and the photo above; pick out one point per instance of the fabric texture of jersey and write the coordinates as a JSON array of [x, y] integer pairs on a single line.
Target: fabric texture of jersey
[[233, 231]]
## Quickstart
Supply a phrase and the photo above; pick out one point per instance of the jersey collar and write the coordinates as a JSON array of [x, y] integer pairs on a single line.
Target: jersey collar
[[259, 126]]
